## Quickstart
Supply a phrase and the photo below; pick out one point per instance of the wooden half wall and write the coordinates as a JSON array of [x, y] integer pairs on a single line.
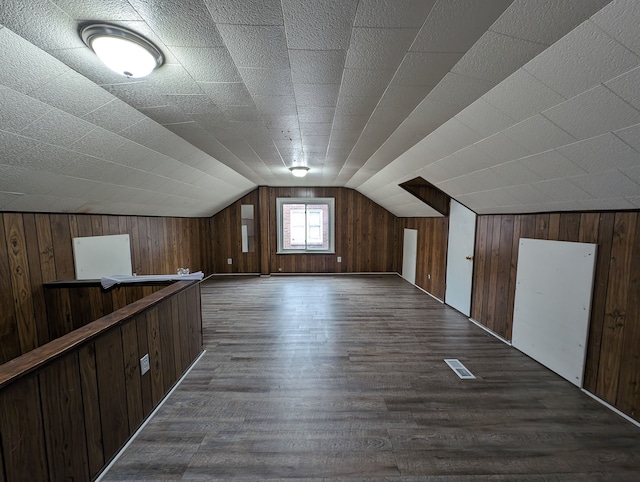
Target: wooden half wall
[[366, 235], [68, 407], [612, 370], [37, 248]]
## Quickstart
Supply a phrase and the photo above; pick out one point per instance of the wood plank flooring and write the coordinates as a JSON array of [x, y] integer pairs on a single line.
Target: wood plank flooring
[[318, 378]]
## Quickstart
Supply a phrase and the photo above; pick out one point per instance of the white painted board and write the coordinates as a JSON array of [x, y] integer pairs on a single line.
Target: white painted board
[[410, 255], [98, 256], [554, 284]]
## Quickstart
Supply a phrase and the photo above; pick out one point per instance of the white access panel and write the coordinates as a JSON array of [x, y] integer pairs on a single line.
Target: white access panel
[[410, 255], [98, 256], [554, 284]]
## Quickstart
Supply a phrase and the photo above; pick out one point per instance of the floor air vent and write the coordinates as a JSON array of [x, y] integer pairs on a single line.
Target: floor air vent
[[459, 368]]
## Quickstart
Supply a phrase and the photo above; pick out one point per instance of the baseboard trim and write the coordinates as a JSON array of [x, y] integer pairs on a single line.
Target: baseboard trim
[[359, 273], [423, 290], [612, 408], [491, 332]]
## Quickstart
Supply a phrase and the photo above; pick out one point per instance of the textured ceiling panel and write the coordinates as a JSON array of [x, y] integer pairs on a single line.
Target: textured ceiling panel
[[522, 95], [512, 106], [319, 25], [593, 113], [19, 110], [558, 17], [589, 56], [245, 12]]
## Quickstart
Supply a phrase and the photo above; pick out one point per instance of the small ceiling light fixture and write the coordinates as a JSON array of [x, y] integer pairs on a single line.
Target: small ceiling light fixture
[[299, 171], [123, 51]]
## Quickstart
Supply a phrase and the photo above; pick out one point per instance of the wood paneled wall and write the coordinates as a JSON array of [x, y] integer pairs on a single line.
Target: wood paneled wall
[[612, 369], [226, 238], [431, 265], [72, 306], [68, 419], [366, 235], [37, 248]]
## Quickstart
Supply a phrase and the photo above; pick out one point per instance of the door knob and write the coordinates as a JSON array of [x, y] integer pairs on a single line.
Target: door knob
[[469, 257]]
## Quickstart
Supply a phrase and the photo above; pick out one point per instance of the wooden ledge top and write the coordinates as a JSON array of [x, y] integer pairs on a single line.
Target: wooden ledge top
[[31, 361]]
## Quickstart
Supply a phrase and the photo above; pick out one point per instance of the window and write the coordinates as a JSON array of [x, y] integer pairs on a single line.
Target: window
[[305, 225]]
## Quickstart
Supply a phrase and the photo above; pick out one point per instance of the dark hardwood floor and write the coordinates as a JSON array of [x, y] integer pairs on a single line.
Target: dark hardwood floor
[[342, 378]]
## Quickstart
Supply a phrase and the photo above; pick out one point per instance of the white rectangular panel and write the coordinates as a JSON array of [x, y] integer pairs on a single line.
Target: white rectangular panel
[[554, 285], [98, 256], [410, 255]]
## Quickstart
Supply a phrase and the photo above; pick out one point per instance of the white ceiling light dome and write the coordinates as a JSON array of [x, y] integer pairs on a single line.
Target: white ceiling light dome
[[123, 51], [299, 171]]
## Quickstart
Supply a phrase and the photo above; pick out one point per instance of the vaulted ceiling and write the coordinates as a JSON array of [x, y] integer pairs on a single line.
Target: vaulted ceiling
[[508, 106]]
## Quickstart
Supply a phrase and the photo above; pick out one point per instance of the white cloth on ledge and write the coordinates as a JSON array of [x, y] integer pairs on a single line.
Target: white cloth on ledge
[[108, 281]]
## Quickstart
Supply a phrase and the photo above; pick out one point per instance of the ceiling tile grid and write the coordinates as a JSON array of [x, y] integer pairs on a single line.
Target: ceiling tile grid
[[512, 106]]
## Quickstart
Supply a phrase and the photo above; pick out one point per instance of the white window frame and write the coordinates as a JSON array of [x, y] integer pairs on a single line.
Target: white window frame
[[281, 201]]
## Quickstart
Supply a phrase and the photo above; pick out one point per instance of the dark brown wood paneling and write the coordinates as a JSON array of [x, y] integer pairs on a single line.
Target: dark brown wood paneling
[[599, 299], [62, 247], [155, 355], [9, 339], [503, 273], [132, 373], [226, 227], [180, 306], [431, 257], [39, 307], [165, 327], [628, 396], [479, 270], [494, 264], [2, 472], [145, 380], [193, 309], [178, 350], [569, 227], [612, 370], [20, 281], [88, 396], [263, 224], [112, 392], [64, 427], [366, 235], [615, 316], [37, 249], [429, 194], [45, 246], [91, 408], [23, 445]]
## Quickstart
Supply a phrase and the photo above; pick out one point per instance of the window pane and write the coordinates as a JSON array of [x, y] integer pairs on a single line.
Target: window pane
[[305, 227], [293, 225]]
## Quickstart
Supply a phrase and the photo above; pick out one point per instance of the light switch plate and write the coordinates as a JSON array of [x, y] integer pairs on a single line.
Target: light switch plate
[[144, 364]]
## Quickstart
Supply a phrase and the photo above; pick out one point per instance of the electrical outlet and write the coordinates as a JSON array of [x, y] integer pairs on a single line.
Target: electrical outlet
[[229, 261], [339, 260], [144, 364]]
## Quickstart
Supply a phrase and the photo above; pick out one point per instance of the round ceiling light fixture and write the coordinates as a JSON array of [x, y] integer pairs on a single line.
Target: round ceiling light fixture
[[299, 171], [123, 51]]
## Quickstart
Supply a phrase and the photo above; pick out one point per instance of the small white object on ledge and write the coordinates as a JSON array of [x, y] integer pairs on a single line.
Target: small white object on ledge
[[109, 281]]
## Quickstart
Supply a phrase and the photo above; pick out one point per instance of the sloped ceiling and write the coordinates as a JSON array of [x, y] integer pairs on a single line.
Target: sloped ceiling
[[507, 106]]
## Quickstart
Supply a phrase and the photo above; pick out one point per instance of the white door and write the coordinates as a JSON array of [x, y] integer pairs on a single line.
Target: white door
[[462, 236], [409, 255]]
